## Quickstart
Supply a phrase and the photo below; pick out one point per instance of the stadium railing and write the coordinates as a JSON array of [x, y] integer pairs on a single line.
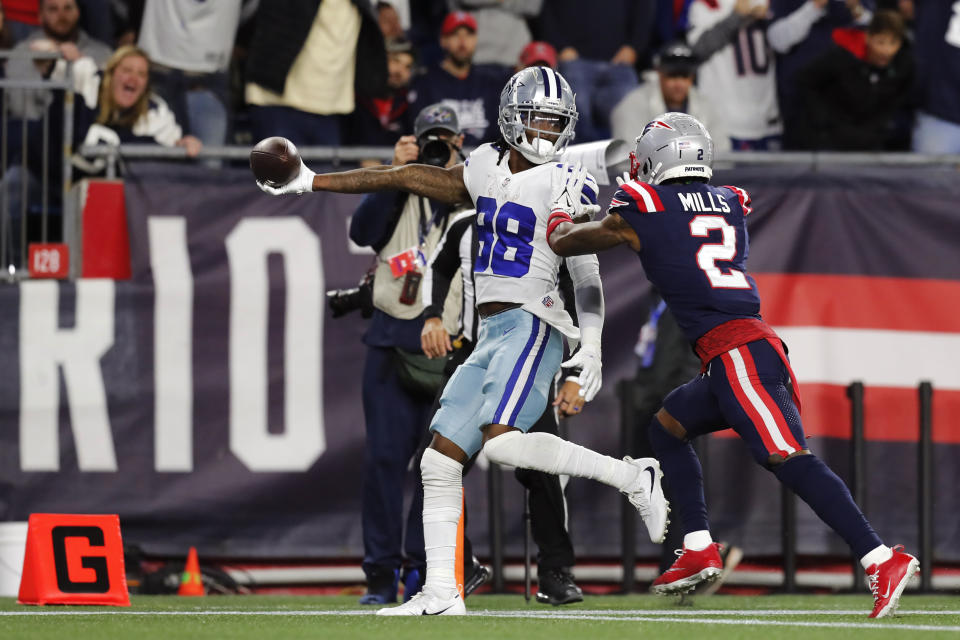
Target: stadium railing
[[13, 250], [344, 155]]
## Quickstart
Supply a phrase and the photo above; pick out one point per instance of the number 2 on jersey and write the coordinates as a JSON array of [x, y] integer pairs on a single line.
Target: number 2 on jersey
[[504, 237], [709, 253]]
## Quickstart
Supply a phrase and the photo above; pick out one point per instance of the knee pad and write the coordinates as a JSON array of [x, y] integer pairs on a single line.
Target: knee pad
[[437, 469]]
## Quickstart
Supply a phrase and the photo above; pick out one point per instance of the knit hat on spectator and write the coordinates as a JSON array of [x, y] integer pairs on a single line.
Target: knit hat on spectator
[[458, 19], [676, 58], [399, 45], [538, 53], [436, 116]]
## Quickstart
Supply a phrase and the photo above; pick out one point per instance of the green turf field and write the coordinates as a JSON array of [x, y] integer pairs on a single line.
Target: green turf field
[[490, 618]]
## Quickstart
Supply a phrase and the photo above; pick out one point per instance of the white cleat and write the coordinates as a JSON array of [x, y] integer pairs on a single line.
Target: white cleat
[[427, 603], [646, 494]]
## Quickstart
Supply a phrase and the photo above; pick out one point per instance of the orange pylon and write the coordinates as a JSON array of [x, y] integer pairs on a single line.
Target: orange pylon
[[190, 582]]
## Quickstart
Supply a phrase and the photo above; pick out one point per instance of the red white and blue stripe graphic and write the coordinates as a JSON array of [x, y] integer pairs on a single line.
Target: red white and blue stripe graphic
[[766, 416], [889, 333], [643, 195], [744, 198], [523, 375]]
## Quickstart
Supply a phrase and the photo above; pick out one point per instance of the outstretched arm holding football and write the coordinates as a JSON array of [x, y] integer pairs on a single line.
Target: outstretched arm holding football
[[443, 185]]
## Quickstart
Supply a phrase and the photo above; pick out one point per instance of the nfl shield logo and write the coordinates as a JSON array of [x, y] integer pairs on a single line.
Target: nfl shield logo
[[547, 301]]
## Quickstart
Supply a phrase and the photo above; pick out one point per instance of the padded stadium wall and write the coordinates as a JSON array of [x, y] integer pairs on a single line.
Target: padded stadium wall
[[212, 401]]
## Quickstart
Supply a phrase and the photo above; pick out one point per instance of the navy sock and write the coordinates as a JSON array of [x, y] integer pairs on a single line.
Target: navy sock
[[684, 476], [830, 499]]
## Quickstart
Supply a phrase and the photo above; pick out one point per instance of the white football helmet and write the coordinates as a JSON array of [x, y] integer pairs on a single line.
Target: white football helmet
[[672, 145], [537, 113]]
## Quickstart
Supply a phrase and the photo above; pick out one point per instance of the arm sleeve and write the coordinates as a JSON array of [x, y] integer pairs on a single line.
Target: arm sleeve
[[86, 81], [790, 30], [443, 267], [375, 218], [161, 124], [708, 41], [565, 284], [22, 68], [588, 292], [529, 8]]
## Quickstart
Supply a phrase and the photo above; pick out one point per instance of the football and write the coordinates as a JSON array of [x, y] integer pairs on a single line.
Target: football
[[275, 161]]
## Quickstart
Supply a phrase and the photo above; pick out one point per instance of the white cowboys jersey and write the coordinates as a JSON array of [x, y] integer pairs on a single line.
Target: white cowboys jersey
[[514, 262], [739, 80]]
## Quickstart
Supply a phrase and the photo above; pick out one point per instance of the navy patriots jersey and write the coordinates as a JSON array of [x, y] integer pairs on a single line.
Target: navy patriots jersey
[[694, 248]]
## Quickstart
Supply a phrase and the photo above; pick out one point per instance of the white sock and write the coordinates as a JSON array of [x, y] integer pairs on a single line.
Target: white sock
[[879, 555], [442, 500], [697, 540], [551, 454]]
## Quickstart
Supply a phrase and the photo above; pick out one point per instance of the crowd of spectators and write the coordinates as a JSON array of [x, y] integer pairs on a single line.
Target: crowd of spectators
[[765, 74], [846, 75]]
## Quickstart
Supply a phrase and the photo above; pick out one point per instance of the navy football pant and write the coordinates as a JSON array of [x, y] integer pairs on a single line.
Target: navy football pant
[[747, 389], [396, 425]]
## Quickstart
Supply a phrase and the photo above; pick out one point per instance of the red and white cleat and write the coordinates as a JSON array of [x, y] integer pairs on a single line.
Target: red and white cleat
[[888, 579], [690, 569]]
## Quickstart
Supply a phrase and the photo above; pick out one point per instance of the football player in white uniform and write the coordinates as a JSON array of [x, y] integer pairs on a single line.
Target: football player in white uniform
[[501, 390]]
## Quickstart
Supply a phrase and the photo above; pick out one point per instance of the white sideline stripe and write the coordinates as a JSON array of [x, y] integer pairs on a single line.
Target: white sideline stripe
[[741, 612], [743, 379], [743, 621], [877, 357], [627, 614]]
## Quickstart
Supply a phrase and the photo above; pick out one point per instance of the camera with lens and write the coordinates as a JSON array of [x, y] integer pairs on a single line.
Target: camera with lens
[[344, 301], [435, 151]]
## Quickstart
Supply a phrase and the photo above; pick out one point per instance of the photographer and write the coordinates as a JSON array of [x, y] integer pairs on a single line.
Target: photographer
[[399, 382]]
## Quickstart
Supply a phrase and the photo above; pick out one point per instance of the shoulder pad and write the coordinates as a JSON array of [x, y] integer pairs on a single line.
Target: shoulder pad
[[643, 195], [742, 196]]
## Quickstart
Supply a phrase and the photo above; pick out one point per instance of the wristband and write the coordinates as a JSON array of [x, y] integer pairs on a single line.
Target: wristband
[[557, 218]]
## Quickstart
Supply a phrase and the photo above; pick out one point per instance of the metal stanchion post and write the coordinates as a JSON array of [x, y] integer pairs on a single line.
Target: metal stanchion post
[[495, 500], [628, 517], [925, 485], [788, 538], [527, 535], [855, 393]]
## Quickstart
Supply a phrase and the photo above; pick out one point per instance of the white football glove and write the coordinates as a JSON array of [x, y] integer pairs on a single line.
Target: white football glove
[[591, 378], [624, 178], [566, 189], [302, 183]]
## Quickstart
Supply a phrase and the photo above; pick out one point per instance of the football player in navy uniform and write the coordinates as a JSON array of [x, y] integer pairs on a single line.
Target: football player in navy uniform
[[691, 238], [493, 398]]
